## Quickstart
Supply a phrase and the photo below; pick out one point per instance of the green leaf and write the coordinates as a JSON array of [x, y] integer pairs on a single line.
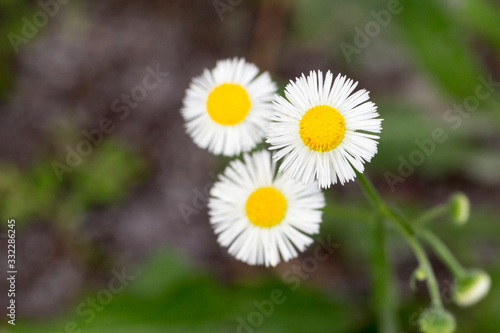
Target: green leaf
[[440, 45]]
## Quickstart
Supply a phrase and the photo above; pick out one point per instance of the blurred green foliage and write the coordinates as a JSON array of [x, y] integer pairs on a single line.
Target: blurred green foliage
[[11, 12], [440, 45], [104, 177], [168, 295]]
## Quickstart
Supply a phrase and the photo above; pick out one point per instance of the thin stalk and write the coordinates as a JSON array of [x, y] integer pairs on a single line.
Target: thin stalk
[[383, 284], [444, 253], [432, 214], [374, 198], [409, 234]]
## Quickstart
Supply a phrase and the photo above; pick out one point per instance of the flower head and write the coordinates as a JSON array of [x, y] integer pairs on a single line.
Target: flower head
[[459, 206], [472, 288], [227, 108], [437, 320], [322, 130], [260, 216]]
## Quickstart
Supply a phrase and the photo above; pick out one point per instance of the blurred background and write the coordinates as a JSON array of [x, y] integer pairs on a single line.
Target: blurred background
[[109, 193]]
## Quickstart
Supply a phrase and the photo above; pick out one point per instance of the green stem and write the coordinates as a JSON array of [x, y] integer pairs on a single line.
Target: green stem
[[444, 253], [409, 234], [384, 300], [431, 215], [373, 196], [370, 191]]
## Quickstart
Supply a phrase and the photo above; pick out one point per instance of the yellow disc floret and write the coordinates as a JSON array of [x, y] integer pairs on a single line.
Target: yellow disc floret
[[228, 104], [266, 207], [322, 128]]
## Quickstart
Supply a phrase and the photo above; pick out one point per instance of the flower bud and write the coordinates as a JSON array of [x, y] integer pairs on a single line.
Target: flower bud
[[420, 274], [459, 206], [472, 288], [437, 320]]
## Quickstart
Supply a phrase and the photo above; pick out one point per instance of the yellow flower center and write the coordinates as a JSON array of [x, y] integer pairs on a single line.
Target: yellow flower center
[[228, 104], [322, 128], [266, 207]]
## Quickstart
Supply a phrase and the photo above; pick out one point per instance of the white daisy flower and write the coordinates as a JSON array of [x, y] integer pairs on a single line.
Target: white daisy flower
[[322, 130], [260, 216], [227, 109]]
